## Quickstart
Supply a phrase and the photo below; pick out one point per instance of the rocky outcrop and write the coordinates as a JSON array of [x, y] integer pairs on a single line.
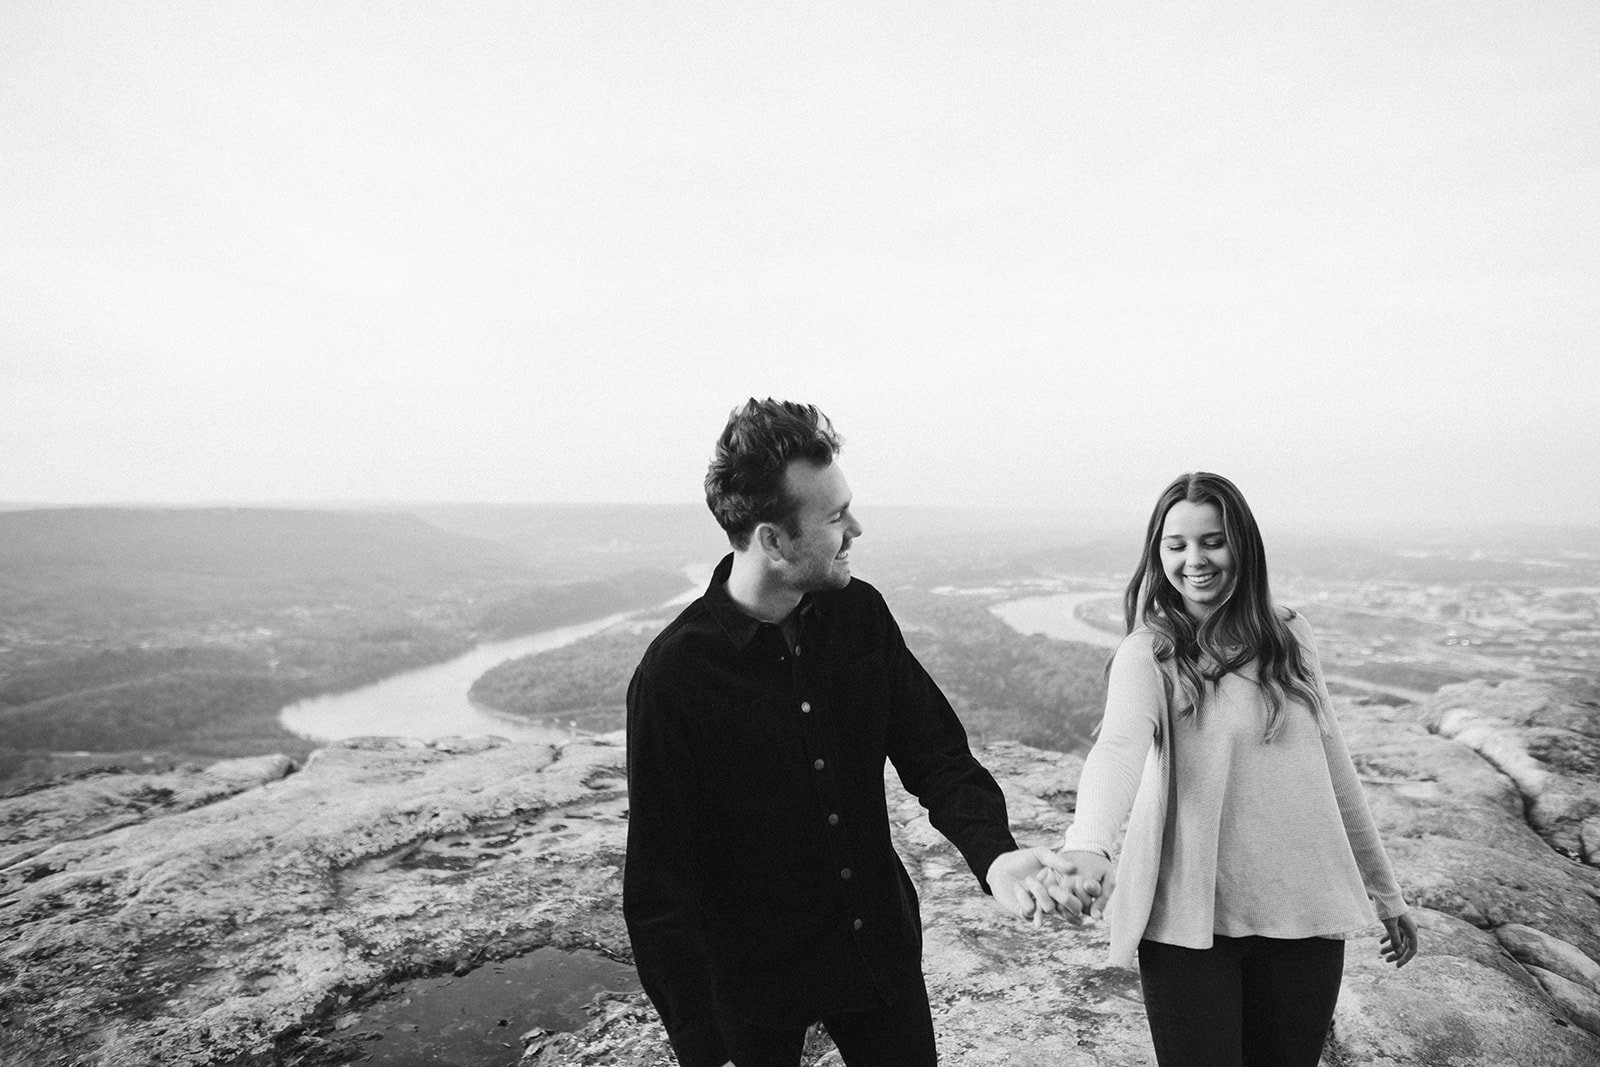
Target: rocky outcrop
[[257, 927], [98, 804], [1498, 906], [239, 931], [1545, 737]]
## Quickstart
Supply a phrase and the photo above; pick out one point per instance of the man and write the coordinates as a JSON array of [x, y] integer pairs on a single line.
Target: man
[[762, 891]]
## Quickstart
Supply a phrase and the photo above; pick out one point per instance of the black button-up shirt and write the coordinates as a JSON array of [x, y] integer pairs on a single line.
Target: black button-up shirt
[[761, 881]]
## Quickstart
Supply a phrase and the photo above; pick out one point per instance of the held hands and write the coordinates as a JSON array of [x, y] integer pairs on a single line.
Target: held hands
[[1087, 891], [1018, 881], [1031, 882], [1399, 942]]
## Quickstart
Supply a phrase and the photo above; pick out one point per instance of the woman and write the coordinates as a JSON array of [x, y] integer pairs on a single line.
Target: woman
[[1250, 854]]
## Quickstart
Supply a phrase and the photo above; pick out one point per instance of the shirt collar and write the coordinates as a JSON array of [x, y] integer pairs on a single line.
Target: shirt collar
[[739, 627]]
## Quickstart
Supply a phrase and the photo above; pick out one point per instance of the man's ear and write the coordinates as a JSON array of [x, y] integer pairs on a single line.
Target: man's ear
[[769, 539]]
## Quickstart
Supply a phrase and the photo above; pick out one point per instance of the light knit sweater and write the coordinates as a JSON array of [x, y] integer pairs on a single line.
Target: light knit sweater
[[1228, 834]]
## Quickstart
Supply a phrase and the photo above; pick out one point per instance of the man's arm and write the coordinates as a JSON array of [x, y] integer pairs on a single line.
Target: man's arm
[[660, 900], [928, 747]]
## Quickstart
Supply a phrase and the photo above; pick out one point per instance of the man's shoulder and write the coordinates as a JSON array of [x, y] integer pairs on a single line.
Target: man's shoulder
[[693, 625], [859, 594], [857, 605]]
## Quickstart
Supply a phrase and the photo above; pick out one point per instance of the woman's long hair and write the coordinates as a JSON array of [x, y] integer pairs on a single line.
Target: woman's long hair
[[1245, 628]]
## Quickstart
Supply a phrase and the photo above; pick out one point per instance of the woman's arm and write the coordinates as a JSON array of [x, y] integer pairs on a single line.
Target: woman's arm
[[1399, 942], [1359, 827], [1111, 772]]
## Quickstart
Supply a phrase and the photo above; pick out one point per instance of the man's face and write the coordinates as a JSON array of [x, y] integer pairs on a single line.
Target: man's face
[[819, 557]]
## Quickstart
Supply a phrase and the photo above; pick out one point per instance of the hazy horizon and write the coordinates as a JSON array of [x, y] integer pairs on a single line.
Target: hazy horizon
[[1043, 256], [900, 521]]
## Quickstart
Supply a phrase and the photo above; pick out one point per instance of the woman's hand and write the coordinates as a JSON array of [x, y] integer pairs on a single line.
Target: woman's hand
[[1399, 942], [1087, 891]]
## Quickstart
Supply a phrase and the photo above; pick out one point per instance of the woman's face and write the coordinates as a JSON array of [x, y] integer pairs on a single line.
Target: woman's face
[[1196, 557]]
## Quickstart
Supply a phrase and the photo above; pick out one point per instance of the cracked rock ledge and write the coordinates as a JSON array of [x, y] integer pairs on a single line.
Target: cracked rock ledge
[[234, 914]]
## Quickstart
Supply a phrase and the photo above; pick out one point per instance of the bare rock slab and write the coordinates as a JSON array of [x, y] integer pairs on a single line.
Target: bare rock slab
[[245, 917]]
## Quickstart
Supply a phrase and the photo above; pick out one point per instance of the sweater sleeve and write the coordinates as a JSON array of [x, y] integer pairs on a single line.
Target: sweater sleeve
[[1111, 772], [1376, 874]]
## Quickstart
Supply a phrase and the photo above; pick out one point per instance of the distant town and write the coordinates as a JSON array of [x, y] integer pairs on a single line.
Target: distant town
[[1465, 613], [1395, 630]]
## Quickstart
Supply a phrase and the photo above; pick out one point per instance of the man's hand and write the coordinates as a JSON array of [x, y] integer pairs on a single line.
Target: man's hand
[[1017, 880]]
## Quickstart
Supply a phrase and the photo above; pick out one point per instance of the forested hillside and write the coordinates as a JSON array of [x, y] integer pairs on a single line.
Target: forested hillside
[[1006, 686], [582, 685], [160, 634]]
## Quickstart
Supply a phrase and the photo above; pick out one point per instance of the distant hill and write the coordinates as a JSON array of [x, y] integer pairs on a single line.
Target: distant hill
[[598, 539], [129, 547], [589, 540]]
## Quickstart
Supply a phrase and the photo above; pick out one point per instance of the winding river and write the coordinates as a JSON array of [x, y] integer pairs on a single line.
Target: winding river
[[431, 702], [1055, 615]]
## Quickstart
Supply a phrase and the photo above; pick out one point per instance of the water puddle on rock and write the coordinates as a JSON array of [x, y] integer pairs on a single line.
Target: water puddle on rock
[[478, 1019]]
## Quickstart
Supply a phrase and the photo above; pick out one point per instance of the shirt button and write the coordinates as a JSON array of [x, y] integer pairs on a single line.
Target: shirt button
[[805, 705], [856, 925], [845, 874], [817, 766], [833, 820]]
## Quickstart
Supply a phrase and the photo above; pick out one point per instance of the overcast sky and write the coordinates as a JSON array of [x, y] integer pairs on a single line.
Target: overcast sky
[[1042, 254]]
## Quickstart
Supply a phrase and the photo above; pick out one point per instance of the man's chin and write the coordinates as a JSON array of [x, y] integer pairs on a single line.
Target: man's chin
[[838, 576]]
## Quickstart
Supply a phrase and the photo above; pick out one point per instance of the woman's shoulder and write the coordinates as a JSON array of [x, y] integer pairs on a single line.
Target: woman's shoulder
[[1136, 664], [1139, 644], [1288, 615], [1297, 623]]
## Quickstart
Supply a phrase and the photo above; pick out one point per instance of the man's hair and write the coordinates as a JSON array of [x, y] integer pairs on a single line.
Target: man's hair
[[745, 483]]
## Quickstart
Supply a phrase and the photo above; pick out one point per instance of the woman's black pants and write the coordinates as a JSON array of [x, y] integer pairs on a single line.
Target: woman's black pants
[[1243, 1002]]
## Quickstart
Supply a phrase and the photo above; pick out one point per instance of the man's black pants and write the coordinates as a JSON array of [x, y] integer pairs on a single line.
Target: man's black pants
[[900, 1035], [1243, 1002]]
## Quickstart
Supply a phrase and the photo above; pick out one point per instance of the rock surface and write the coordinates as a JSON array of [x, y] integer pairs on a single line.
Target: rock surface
[[1545, 738], [242, 915], [101, 803]]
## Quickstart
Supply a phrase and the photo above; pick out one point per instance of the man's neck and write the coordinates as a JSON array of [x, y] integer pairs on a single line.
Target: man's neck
[[755, 591]]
